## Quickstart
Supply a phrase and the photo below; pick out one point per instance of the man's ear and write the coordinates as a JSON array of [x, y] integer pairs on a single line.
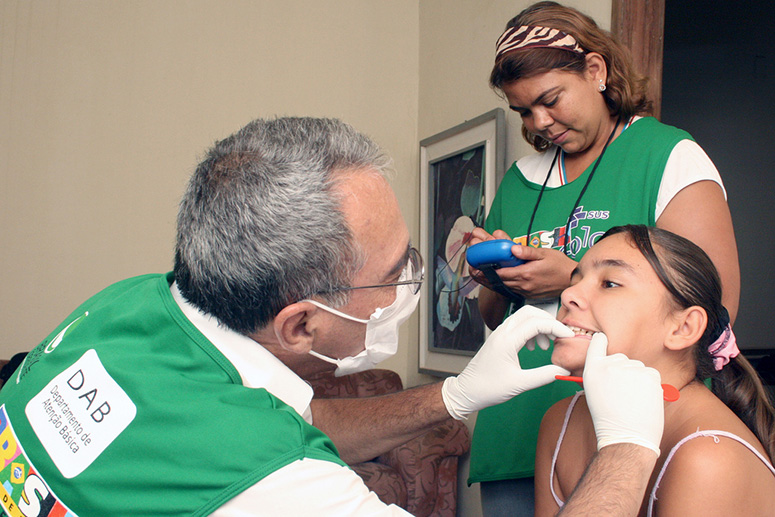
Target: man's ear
[[295, 327], [689, 326]]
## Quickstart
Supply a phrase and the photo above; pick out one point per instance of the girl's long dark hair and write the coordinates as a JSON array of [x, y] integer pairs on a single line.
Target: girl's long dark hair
[[692, 280]]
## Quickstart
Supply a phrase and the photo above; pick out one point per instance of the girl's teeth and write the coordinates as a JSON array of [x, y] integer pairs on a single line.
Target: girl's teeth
[[581, 331]]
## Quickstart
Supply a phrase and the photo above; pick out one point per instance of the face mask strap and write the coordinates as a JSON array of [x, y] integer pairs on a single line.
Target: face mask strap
[[334, 311], [375, 342], [322, 357]]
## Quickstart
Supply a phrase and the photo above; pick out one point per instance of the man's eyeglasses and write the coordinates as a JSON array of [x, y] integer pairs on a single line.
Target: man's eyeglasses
[[414, 271]]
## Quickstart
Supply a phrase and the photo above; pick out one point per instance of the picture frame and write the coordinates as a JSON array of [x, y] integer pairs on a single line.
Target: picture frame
[[460, 170]]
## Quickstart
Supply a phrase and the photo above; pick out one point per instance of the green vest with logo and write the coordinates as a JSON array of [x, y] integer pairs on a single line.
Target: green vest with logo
[[127, 409], [623, 190]]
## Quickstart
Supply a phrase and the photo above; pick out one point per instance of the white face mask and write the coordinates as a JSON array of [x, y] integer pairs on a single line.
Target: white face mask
[[381, 332]]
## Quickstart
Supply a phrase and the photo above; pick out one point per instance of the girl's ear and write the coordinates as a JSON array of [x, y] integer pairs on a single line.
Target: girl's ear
[[689, 326], [596, 68]]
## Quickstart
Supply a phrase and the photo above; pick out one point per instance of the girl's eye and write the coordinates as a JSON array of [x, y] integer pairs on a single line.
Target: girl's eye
[[608, 284], [551, 103]]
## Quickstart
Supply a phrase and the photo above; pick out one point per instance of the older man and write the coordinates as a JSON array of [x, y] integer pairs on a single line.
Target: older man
[[182, 393]]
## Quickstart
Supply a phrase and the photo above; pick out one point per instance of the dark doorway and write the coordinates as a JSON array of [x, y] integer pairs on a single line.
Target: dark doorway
[[718, 83]]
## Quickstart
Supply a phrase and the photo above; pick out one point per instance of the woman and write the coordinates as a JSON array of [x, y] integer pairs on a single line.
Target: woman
[[657, 297], [601, 162]]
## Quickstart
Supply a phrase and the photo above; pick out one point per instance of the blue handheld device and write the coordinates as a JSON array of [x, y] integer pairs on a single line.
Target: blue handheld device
[[494, 253]]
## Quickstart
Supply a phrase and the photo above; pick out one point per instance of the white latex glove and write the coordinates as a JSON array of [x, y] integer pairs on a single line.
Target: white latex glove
[[494, 374], [624, 397]]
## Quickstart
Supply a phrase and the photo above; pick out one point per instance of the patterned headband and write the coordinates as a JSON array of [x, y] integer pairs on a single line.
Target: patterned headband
[[530, 36]]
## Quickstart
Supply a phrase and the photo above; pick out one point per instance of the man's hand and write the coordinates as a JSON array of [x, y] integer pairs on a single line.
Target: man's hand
[[624, 398], [494, 374]]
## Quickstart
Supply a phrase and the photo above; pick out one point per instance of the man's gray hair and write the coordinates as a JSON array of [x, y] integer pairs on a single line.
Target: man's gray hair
[[260, 225]]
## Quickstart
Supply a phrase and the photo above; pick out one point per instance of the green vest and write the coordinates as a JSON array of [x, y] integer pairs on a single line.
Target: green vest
[[623, 190], [127, 409]]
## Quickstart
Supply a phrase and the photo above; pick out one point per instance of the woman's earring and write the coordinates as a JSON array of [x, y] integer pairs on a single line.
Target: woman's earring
[[601, 86]]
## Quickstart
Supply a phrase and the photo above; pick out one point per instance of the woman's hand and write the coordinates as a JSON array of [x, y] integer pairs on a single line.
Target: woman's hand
[[492, 306], [545, 273], [477, 236]]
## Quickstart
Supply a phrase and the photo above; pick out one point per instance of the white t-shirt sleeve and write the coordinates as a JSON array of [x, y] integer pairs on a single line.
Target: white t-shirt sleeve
[[687, 164], [309, 487]]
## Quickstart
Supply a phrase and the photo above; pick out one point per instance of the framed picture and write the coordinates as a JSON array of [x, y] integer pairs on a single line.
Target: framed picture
[[460, 170]]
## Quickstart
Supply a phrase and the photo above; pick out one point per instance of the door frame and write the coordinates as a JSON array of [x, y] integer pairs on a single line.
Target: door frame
[[640, 26]]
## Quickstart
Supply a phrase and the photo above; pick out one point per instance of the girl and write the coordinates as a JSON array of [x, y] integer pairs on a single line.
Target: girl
[[657, 298]]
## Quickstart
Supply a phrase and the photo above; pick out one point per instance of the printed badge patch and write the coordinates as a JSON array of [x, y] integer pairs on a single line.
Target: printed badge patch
[[79, 413]]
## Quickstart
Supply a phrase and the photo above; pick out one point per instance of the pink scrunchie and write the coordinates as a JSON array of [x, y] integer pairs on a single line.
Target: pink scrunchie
[[724, 348]]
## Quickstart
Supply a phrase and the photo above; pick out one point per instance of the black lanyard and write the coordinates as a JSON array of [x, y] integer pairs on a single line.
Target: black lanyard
[[566, 246]]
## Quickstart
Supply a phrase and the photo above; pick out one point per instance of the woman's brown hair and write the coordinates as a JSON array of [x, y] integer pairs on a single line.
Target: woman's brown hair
[[692, 280], [625, 93]]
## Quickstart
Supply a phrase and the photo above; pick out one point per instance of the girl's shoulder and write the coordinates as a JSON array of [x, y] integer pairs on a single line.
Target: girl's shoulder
[[569, 423], [562, 410], [715, 474], [710, 465], [702, 411]]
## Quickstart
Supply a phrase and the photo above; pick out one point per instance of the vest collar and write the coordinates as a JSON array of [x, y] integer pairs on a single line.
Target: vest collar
[[257, 367]]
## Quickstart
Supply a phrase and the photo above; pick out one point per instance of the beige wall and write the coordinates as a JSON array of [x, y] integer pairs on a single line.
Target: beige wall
[[105, 108]]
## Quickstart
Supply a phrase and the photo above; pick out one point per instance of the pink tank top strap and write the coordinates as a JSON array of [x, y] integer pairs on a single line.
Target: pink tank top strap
[[714, 434], [559, 443]]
